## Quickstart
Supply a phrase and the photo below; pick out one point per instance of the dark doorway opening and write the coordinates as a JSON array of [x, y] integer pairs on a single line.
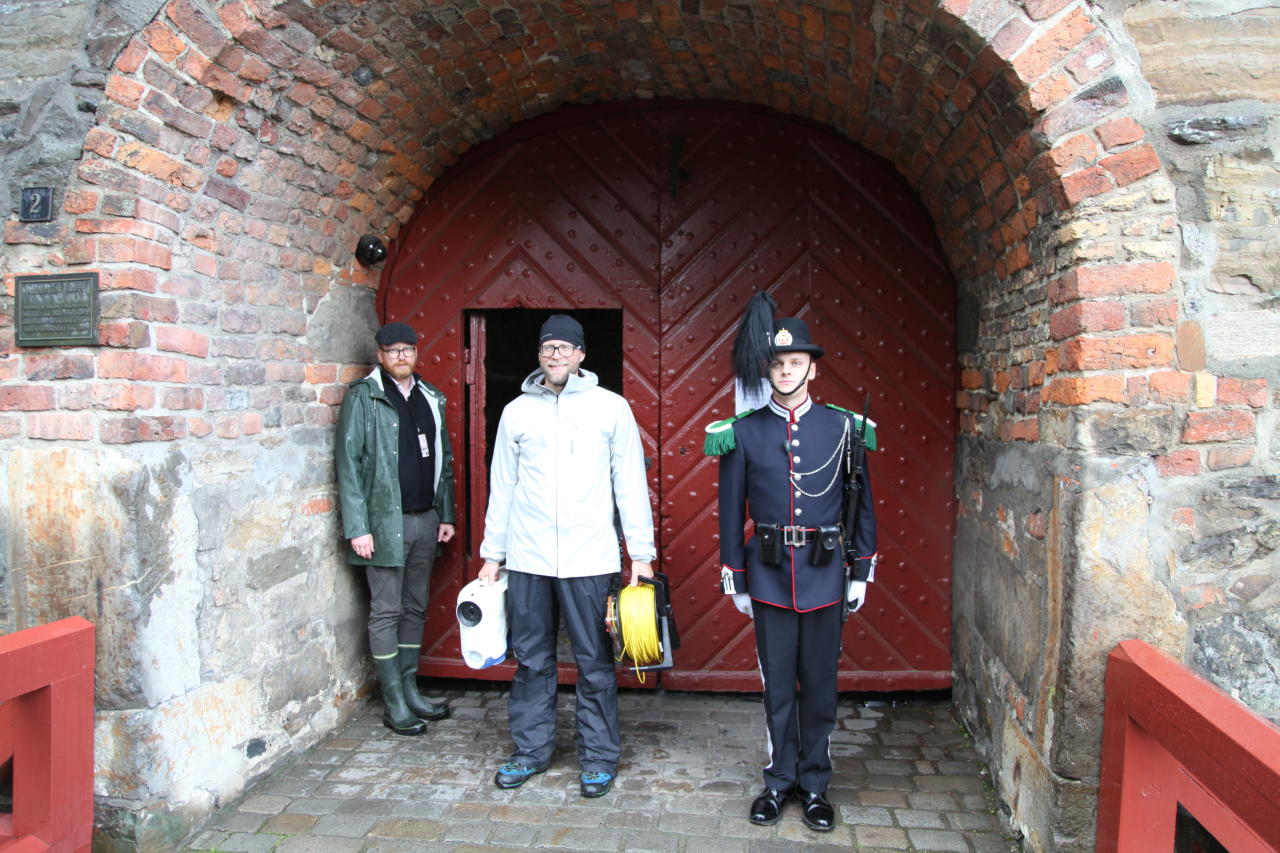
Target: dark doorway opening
[[503, 344], [511, 355]]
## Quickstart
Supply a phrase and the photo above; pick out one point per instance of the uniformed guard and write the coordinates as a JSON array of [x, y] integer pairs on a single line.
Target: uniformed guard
[[798, 467]]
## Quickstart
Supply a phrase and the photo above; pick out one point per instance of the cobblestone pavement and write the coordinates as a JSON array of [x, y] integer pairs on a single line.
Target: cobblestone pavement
[[906, 778]]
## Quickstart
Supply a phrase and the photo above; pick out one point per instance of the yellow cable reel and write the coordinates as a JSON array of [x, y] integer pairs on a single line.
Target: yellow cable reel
[[639, 620]]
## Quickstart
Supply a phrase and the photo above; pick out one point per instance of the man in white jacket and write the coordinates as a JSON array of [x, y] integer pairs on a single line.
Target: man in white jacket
[[567, 453]]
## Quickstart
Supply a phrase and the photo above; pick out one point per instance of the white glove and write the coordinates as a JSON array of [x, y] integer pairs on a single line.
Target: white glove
[[742, 601], [856, 595]]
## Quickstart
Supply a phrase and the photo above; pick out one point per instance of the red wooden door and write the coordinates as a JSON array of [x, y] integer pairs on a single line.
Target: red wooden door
[[675, 214]]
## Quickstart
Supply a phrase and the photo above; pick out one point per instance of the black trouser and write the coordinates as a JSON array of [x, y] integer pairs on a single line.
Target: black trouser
[[799, 656], [534, 606], [398, 594]]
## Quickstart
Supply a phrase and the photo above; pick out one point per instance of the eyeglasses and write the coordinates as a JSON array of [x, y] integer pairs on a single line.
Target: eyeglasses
[[548, 350], [401, 352]]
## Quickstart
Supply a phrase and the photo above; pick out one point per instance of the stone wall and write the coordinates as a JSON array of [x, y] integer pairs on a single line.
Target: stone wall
[[1108, 216], [1157, 521]]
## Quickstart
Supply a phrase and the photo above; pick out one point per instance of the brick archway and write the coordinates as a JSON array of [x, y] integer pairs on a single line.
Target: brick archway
[[304, 125], [245, 145]]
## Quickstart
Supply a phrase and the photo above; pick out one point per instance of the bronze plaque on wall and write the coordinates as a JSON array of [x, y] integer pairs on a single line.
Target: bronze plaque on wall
[[57, 310]]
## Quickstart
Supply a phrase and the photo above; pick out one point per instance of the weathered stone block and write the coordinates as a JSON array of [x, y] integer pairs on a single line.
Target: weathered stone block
[[1137, 432], [1196, 57], [1240, 652], [341, 329], [1114, 593], [105, 537]]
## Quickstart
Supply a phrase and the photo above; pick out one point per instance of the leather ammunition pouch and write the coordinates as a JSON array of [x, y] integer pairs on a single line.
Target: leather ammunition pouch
[[825, 545], [770, 539]]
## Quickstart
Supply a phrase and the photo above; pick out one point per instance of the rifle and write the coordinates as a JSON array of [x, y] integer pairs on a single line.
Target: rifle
[[854, 456]]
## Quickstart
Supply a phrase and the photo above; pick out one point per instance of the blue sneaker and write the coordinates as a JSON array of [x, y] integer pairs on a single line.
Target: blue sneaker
[[596, 784], [513, 774]]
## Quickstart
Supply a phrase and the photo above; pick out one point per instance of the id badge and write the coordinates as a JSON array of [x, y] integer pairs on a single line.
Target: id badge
[[422, 445]]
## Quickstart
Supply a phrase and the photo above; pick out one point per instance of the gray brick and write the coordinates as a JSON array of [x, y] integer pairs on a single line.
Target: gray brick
[[319, 844], [345, 825], [919, 818], [933, 839], [865, 816], [233, 820], [243, 842]]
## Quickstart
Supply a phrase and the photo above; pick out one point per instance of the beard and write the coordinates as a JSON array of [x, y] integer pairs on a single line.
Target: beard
[[558, 380]]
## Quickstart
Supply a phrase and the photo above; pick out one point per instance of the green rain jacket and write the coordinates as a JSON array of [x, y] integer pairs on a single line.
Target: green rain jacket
[[369, 473]]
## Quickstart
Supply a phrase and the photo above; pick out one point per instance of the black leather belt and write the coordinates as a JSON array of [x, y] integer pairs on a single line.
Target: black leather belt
[[416, 511], [793, 535]]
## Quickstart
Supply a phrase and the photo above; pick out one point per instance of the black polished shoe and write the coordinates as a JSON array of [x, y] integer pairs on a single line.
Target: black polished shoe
[[818, 813], [766, 809]]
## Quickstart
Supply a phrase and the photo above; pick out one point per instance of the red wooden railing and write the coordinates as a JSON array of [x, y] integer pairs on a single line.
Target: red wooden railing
[[46, 729], [1174, 744]]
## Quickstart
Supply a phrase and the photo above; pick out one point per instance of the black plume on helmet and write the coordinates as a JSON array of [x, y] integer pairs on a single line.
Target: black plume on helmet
[[753, 346]]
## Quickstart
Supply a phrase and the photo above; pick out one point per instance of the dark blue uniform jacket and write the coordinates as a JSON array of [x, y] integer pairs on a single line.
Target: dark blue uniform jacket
[[770, 445]]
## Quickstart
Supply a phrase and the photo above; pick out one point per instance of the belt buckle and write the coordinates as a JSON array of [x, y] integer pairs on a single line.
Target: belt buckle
[[793, 536]]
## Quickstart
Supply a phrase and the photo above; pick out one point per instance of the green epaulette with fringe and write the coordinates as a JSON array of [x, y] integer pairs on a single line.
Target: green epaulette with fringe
[[870, 440], [720, 436]]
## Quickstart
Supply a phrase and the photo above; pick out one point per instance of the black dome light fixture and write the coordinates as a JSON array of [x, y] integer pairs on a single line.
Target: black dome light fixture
[[370, 250]]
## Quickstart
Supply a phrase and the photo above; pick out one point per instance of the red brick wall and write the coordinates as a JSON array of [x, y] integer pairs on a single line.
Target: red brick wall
[[238, 158]]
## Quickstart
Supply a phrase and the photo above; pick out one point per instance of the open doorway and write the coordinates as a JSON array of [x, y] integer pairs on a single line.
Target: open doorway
[[501, 352]]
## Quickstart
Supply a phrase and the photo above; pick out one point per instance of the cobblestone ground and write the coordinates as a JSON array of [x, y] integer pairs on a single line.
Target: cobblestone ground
[[906, 778]]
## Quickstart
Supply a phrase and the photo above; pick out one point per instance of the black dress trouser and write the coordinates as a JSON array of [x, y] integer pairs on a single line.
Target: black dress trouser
[[799, 657]]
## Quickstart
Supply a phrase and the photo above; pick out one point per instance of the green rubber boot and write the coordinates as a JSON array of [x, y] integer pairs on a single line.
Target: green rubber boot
[[422, 708], [397, 716]]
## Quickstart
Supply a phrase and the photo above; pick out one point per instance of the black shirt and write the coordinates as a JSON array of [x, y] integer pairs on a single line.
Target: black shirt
[[417, 445]]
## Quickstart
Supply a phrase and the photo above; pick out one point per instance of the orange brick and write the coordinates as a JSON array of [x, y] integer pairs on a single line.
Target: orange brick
[[1086, 183], [127, 334], [1112, 280], [1222, 425], [118, 396], [177, 339], [1129, 166], [321, 374], [78, 202], [26, 398], [182, 398], [148, 368], [164, 42], [1079, 390], [125, 92], [1242, 392], [1118, 132], [58, 426], [1084, 317], [1154, 312], [133, 429], [1054, 46], [1169, 386], [317, 506], [1224, 458], [1118, 352], [1023, 429], [1180, 463]]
